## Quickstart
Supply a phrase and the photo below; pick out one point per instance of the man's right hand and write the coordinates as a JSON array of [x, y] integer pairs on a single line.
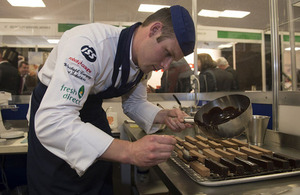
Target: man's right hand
[[145, 152], [151, 150]]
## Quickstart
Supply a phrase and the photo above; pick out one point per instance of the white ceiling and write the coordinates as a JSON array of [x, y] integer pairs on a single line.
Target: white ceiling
[[77, 11]]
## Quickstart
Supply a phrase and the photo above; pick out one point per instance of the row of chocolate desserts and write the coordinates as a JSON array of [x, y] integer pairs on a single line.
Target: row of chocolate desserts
[[223, 158]]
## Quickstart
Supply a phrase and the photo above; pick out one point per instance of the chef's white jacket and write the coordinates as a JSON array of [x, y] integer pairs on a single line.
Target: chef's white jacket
[[82, 64]]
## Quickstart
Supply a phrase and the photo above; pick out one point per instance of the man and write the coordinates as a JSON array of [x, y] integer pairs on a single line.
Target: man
[[176, 79], [8, 73], [223, 64], [70, 144], [23, 68], [27, 80]]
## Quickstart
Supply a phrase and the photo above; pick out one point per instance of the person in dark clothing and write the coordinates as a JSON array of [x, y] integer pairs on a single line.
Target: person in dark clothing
[[176, 79], [212, 78], [23, 69], [223, 64], [8, 73]]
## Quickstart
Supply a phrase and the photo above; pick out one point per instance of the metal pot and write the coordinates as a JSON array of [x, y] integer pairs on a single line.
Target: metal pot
[[224, 117]]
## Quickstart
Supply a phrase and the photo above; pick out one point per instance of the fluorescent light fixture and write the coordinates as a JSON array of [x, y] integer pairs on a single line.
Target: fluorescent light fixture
[[289, 49], [209, 13], [27, 3], [234, 14], [225, 13], [225, 46], [53, 41], [150, 7]]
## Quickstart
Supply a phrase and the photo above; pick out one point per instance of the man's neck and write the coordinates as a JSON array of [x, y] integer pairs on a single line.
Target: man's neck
[[136, 40]]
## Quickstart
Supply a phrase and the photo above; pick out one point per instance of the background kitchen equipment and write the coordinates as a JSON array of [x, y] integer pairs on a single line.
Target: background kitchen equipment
[[224, 117], [190, 110], [257, 130], [5, 97]]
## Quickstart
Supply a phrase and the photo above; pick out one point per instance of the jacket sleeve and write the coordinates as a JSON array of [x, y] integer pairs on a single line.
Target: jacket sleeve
[[57, 122], [136, 107]]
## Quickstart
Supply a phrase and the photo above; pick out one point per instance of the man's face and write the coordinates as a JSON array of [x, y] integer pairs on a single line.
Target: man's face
[[24, 69], [223, 67], [154, 55]]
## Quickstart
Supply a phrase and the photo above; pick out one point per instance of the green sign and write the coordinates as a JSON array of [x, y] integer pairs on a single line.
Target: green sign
[[65, 27], [287, 38], [239, 35]]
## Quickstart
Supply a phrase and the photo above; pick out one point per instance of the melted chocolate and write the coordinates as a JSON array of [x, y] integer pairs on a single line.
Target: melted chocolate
[[218, 116]]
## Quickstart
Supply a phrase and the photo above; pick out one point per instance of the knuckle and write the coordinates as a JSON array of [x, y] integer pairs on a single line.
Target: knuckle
[[151, 157], [152, 148]]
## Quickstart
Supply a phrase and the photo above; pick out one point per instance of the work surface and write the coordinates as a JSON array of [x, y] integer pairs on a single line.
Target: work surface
[[178, 182]]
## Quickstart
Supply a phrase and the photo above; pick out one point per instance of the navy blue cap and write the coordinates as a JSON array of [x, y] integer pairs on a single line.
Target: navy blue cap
[[184, 28]]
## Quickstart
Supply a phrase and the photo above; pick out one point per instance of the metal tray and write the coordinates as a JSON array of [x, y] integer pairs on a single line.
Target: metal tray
[[229, 181]]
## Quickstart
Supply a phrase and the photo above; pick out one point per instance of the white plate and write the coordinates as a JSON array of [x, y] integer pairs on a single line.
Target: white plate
[[11, 134]]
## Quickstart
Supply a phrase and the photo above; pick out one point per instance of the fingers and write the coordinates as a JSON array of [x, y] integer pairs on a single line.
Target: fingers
[[153, 149], [165, 139], [175, 124], [175, 120]]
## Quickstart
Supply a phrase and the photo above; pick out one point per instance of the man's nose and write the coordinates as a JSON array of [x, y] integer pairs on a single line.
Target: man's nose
[[166, 63]]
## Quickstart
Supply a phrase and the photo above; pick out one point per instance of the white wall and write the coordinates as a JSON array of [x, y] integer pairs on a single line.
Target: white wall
[[289, 120], [155, 79]]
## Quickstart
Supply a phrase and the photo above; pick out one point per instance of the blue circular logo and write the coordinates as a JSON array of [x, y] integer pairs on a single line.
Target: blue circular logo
[[89, 53]]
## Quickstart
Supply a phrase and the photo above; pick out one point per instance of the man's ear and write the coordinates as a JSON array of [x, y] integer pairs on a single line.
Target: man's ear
[[155, 28]]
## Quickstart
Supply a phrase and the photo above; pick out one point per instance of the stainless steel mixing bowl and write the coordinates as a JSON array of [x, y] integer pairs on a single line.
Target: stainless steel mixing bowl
[[224, 117]]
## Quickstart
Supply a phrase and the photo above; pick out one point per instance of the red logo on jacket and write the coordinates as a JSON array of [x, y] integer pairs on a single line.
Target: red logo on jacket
[[80, 64]]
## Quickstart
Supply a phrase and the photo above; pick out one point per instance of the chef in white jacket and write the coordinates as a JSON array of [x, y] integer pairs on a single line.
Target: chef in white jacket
[[70, 143]]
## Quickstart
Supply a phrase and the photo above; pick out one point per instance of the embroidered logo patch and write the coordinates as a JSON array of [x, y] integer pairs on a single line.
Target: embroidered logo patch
[[70, 94], [89, 53], [81, 92]]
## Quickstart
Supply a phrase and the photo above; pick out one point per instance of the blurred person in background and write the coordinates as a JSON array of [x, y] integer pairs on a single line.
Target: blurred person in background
[[223, 64], [27, 79], [211, 77], [176, 79], [8, 72], [23, 69]]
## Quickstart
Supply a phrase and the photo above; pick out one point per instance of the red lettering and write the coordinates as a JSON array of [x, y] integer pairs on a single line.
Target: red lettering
[[80, 64]]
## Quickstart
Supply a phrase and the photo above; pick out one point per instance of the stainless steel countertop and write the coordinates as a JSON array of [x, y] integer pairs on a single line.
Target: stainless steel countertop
[[178, 182]]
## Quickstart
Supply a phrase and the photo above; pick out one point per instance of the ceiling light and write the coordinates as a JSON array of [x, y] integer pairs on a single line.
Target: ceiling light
[[225, 13], [234, 14], [151, 7], [27, 3], [53, 41], [209, 13]]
